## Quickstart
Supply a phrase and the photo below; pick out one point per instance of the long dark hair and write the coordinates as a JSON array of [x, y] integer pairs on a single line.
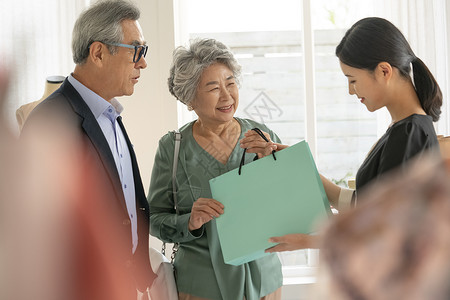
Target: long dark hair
[[373, 40]]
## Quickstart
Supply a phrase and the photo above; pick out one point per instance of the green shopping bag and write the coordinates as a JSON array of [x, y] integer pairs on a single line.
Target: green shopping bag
[[271, 197]]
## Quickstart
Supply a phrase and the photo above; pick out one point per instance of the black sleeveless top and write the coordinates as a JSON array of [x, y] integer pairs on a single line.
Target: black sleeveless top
[[401, 142]]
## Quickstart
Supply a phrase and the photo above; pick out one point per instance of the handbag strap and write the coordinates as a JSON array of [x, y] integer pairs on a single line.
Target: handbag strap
[[261, 134], [176, 153]]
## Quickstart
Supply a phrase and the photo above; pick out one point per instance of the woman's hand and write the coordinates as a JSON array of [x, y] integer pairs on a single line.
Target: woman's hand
[[291, 242], [255, 144], [203, 211]]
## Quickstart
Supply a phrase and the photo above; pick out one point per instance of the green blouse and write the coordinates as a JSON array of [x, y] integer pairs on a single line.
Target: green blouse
[[199, 263]]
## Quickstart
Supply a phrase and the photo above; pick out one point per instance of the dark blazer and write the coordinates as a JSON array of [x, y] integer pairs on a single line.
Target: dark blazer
[[102, 265]]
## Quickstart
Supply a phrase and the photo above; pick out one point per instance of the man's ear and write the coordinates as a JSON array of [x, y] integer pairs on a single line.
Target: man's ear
[[384, 69], [97, 52]]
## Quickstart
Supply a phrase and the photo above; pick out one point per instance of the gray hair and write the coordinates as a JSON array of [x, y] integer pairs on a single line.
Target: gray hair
[[189, 63], [101, 22]]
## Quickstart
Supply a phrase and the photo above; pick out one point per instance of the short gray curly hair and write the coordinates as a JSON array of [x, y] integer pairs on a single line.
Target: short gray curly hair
[[189, 63], [101, 22]]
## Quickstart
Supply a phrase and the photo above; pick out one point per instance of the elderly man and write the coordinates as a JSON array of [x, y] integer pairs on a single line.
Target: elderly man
[[87, 161]]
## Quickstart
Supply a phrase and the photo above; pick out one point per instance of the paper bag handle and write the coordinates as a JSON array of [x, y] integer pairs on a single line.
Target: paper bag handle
[[258, 131]]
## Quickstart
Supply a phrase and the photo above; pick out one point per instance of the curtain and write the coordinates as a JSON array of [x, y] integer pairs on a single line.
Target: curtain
[[426, 25], [35, 43]]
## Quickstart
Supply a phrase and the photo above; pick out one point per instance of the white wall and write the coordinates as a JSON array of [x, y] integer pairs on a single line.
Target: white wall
[[151, 111]]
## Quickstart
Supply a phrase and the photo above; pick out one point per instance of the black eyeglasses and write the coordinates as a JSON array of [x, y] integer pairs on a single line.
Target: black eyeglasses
[[139, 51]]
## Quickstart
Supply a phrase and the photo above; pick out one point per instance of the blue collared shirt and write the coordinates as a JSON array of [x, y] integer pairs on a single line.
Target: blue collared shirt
[[106, 114]]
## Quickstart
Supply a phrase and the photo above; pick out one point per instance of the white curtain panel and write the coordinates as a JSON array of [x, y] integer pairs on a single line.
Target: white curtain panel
[[35, 43], [426, 25]]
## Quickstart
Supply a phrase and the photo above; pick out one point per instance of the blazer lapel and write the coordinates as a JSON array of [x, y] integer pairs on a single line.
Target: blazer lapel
[[95, 134]]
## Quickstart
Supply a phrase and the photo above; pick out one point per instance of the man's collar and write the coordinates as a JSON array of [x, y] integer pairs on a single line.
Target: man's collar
[[97, 104]]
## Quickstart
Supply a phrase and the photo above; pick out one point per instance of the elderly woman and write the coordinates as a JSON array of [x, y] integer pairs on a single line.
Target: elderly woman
[[205, 78]]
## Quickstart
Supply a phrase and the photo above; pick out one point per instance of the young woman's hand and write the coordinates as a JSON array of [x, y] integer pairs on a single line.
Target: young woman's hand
[[255, 144], [291, 242]]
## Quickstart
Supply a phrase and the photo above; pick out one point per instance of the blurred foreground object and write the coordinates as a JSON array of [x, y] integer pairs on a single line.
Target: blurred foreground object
[[444, 145], [32, 263], [397, 244], [7, 148]]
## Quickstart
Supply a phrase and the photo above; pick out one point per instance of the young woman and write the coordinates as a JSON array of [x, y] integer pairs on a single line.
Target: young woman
[[378, 62]]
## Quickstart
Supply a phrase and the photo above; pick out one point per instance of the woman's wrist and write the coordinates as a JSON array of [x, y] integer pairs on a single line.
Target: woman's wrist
[[190, 226]]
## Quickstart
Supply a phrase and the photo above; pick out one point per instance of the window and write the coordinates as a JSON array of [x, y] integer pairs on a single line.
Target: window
[[296, 96]]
